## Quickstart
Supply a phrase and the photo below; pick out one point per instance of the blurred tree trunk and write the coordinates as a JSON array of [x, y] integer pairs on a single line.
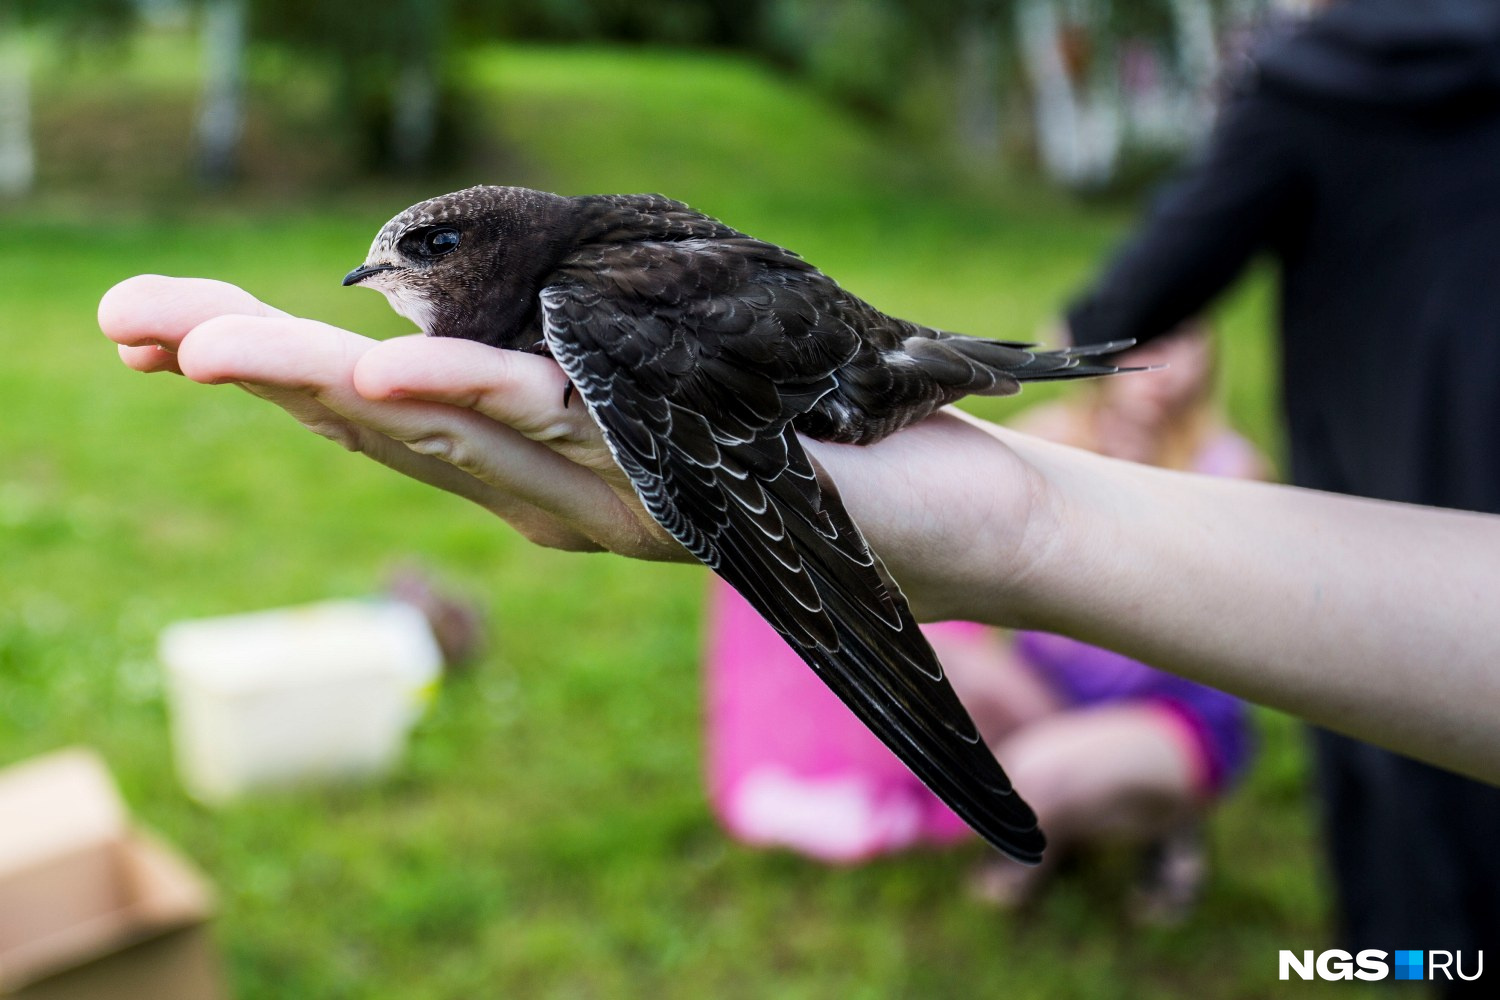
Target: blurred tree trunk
[[414, 116], [977, 86], [17, 153], [1198, 53], [416, 97], [1078, 122], [222, 114]]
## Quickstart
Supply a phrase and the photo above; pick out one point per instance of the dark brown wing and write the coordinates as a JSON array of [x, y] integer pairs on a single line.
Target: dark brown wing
[[696, 388], [903, 371]]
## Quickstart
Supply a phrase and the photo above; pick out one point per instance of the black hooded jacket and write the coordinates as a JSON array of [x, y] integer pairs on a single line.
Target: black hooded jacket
[[1362, 153]]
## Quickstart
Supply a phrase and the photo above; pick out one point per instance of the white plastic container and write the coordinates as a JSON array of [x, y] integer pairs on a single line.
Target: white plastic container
[[317, 692]]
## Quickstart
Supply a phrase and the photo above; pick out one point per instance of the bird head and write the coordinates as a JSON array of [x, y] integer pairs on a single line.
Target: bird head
[[469, 264]]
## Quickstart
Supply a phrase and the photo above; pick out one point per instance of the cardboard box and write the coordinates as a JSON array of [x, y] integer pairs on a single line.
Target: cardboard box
[[92, 908]]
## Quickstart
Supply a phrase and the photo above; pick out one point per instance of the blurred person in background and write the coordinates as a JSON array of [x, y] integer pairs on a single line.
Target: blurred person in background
[[1362, 152], [1103, 747]]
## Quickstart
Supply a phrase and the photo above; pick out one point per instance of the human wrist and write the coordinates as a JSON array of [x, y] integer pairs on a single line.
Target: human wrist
[[945, 504], [1066, 568]]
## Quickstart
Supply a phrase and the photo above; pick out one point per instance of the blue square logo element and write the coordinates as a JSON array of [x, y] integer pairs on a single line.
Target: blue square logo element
[[1409, 965]]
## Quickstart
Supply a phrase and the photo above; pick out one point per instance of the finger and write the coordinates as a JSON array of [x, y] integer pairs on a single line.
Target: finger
[[222, 334], [149, 358], [278, 351], [502, 417], [399, 439], [306, 367], [525, 391], [300, 365], [155, 310], [508, 392], [525, 474]]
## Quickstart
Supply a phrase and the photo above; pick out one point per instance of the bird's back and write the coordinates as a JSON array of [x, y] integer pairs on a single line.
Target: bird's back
[[718, 283]]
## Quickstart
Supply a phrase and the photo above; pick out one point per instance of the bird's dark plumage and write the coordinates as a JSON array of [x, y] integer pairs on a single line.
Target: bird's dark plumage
[[702, 353]]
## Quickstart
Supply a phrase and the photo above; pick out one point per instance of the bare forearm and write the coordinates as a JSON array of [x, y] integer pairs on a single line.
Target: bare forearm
[[1374, 619]]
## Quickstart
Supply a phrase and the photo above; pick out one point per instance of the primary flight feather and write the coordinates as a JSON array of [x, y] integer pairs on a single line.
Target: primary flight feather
[[702, 353]]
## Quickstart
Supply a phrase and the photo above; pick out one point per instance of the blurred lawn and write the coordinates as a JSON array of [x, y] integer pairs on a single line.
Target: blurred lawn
[[548, 836]]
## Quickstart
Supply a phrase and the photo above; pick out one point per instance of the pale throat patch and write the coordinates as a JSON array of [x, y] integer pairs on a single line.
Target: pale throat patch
[[404, 301]]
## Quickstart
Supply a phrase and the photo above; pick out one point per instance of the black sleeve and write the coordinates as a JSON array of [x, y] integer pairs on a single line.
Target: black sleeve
[[1200, 233]]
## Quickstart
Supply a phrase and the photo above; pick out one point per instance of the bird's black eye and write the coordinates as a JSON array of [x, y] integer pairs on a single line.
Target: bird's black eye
[[431, 243]]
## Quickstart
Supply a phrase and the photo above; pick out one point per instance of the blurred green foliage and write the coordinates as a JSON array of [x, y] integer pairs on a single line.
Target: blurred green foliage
[[548, 835], [715, 23], [76, 19]]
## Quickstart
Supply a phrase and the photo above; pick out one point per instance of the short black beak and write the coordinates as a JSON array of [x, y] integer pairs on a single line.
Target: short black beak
[[363, 271]]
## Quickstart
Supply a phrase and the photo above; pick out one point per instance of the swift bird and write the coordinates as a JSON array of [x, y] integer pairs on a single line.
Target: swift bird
[[702, 353]]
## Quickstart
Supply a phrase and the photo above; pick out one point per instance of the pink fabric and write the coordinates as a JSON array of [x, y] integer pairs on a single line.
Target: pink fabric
[[790, 765]]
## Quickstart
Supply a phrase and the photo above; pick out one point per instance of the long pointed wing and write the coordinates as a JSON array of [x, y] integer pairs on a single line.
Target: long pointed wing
[[696, 400]]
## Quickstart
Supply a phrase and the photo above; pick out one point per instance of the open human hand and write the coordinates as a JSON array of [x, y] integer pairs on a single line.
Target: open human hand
[[492, 426], [485, 424]]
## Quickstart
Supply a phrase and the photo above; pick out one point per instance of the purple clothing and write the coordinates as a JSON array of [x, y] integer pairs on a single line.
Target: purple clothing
[[1086, 675]]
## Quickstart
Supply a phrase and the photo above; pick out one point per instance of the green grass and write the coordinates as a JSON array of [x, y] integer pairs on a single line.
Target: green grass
[[548, 834]]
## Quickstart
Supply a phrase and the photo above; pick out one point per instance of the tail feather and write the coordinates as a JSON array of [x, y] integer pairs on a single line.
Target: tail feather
[[975, 366], [1084, 371], [1096, 350]]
